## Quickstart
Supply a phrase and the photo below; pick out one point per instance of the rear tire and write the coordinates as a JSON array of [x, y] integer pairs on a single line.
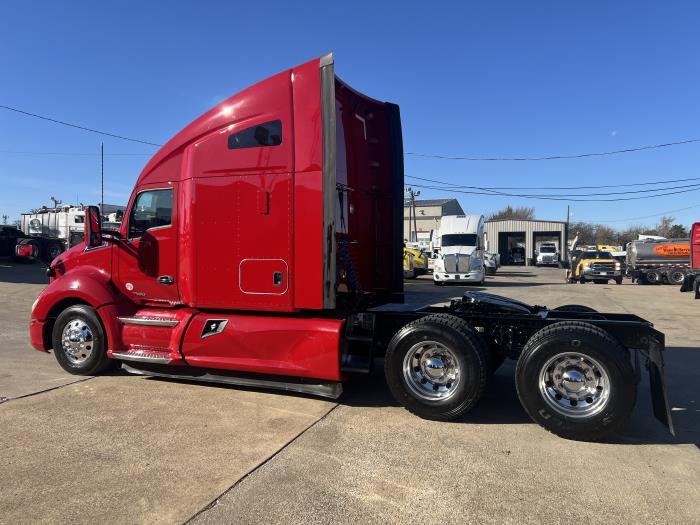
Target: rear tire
[[576, 381], [437, 367], [53, 250], [79, 341], [676, 277], [652, 277]]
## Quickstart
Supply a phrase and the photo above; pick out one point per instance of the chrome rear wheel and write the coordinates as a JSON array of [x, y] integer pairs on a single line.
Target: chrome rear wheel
[[574, 384], [431, 370]]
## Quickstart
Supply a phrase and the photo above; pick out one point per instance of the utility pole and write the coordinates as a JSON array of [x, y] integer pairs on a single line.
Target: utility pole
[[414, 194], [412, 214], [102, 179], [568, 216], [4, 219]]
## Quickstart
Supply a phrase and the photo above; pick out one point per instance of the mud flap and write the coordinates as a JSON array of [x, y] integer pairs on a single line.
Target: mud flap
[[688, 281], [657, 384]]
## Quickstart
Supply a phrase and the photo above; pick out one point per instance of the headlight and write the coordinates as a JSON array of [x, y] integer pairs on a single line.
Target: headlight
[[617, 266]]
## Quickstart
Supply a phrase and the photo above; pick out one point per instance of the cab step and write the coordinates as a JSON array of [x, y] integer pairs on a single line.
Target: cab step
[[146, 356]]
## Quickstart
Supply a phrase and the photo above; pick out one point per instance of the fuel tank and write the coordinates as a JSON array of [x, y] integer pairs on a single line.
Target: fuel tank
[[658, 253]]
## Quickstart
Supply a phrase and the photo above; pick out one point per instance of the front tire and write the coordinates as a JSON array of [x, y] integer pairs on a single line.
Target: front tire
[[437, 367], [79, 341], [576, 381]]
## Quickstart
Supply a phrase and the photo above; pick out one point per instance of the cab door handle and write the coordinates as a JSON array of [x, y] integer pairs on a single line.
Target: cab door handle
[[166, 279]]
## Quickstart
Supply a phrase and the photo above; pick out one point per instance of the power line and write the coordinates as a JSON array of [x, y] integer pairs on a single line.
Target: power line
[[643, 216], [554, 157], [553, 198], [107, 134], [413, 153], [597, 186], [490, 191], [73, 154]]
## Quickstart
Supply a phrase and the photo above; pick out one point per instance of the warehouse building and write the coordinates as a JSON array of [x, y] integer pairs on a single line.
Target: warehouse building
[[427, 217], [503, 235]]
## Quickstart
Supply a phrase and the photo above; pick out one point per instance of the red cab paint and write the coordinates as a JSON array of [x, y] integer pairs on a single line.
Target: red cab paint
[[695, 246], [285, 198]]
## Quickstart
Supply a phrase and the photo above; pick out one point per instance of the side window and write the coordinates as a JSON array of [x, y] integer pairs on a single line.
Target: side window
[[152, 209], [267, 134]]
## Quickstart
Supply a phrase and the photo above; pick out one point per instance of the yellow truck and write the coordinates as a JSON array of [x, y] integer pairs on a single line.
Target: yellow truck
[[594, 265], [415, 263]]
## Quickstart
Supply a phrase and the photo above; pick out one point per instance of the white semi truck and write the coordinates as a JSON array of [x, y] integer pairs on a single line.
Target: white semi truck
[[547, 254], [461, 257]]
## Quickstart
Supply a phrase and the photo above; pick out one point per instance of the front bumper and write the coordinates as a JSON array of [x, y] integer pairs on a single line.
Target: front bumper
[[471, 277], [36, 335], [598, 274]]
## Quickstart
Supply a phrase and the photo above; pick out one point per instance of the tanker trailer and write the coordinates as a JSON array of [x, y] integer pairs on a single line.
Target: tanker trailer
[[652, 261]]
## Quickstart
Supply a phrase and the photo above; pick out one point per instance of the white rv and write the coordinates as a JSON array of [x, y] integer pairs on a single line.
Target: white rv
[[461, 258]]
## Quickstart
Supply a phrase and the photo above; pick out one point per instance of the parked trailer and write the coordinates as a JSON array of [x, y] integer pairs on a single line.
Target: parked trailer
[[51, 231], [653, 261], [274, 293]]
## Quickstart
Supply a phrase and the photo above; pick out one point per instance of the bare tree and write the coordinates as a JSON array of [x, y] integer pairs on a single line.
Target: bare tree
[[664, 226], [521, 213]]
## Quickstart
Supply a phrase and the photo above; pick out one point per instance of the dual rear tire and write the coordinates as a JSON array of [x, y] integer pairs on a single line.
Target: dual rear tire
[[572, 378]]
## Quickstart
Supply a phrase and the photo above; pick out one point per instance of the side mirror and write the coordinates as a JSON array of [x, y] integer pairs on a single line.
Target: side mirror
[[93, 227]]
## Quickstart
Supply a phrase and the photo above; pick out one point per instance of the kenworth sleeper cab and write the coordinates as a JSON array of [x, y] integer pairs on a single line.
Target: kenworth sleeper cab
[[262, 246]]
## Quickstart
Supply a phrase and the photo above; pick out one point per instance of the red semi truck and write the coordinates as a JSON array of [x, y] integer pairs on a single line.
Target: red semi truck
[[262, 246], [691, 281]]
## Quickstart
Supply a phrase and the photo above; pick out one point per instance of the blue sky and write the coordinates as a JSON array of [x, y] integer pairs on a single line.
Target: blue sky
[[472, 78]]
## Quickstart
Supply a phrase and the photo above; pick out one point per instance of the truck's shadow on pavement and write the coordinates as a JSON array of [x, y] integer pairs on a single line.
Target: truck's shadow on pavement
[[500, 406], [20, 273]]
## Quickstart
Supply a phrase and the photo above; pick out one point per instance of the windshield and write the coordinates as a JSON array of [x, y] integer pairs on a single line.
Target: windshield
[[459, 239], [596, 255], [548, 249]]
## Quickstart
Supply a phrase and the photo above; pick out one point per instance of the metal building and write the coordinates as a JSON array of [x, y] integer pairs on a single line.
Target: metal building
[[502, 235], [428, 212]]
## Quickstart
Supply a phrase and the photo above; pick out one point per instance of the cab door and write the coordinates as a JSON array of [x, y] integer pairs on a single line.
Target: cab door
[[147, 253]]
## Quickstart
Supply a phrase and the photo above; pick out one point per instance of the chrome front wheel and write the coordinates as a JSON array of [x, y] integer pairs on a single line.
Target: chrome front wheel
[[77, 341]]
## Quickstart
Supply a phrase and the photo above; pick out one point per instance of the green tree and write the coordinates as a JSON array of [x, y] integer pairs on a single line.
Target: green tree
[[677, 231]]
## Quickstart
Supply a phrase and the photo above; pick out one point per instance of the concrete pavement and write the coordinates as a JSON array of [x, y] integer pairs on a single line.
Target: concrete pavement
[[371, 461], [124, 448]]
